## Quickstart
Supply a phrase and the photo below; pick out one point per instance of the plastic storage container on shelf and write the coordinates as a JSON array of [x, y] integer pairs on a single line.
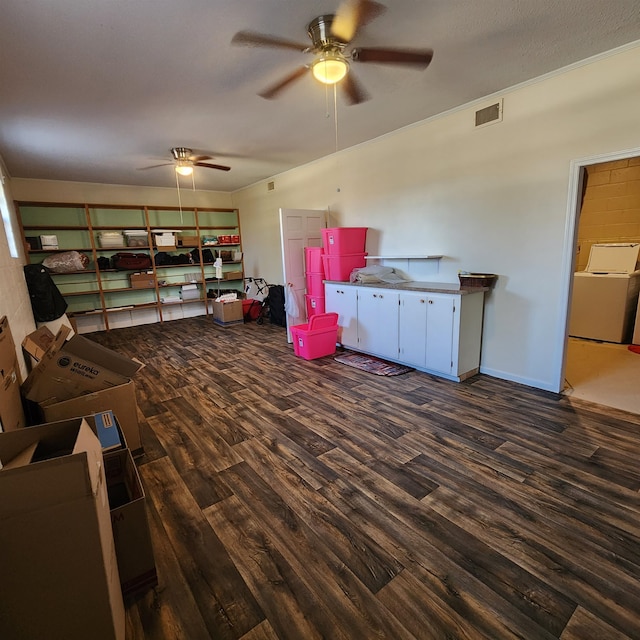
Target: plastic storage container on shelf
[[315, 284], [313, 260], [317, 338], [110, 239], [344, 240], [136, 238], [340, 267], [314, 304]]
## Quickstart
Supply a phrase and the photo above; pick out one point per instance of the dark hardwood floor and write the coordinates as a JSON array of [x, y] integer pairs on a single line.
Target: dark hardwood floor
[[306, 499]]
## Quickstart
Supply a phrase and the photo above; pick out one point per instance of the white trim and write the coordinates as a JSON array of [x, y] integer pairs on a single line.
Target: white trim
[[503, 375]]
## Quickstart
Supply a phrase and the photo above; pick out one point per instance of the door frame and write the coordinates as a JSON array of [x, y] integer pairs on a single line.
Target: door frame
[[577, 170]]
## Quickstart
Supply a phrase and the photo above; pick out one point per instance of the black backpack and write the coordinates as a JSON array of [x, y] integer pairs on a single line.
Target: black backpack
[[275, 300], [46, 300]]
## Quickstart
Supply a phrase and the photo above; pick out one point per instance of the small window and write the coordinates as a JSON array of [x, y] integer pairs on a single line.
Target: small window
[[6, 219]]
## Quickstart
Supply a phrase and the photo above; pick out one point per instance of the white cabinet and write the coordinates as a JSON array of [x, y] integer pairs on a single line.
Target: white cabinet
[[343, 299], [378, 321], [437, 332], [412, 329]]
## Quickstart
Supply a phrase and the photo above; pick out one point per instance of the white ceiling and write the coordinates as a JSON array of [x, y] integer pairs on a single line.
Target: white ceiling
[[94, 90]]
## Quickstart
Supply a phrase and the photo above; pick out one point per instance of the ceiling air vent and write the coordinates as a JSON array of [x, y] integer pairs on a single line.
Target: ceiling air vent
[[489, 115], [271, 186]]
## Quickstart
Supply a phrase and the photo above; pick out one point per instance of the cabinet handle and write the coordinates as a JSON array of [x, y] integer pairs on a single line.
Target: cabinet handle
[[422, 301], [430, 301]]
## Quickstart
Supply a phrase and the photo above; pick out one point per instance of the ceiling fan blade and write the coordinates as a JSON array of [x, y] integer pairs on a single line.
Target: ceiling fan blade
[[275, 89], [410, 57], [199, 158], [353, 14], [356, 93], [212, 166], [153, 166], [252, 38]]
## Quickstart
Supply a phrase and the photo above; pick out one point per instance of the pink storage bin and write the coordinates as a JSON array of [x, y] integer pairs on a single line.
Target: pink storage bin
[[317, 338], [315, 305], [340, 267], [313, 260], [344, 240], [315, 284]]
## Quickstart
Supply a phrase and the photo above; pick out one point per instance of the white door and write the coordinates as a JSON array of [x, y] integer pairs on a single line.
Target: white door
[[299, 228]]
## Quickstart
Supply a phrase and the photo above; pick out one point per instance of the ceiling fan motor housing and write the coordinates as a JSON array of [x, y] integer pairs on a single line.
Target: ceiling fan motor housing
[[181, 153], [319, 31]]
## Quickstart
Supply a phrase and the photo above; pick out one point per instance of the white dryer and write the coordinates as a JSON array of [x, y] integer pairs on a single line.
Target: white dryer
[[605, 294]]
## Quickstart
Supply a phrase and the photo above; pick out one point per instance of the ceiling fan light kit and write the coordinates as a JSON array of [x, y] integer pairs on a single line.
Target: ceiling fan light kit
[[330, 68], [183, 168]]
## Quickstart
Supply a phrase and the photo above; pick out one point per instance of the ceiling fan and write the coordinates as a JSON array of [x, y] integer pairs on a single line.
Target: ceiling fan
[[184, 161], [331, 36]]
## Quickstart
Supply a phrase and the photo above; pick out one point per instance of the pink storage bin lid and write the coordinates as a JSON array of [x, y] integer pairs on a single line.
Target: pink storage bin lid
[[323, 321]]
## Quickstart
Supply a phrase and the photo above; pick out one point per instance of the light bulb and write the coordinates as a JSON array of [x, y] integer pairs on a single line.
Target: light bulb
[[330, 68]]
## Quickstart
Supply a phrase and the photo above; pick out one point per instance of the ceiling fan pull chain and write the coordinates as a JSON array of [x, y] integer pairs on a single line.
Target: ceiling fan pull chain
[[335, 111], [179, 200]]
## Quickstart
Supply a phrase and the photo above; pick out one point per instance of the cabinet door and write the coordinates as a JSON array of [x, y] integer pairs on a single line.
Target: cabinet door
[[344, 301], [440, 322], [412, 338], [378, 321]]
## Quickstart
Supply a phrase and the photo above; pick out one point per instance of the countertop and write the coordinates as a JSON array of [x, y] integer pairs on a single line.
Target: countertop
[[412, 285]]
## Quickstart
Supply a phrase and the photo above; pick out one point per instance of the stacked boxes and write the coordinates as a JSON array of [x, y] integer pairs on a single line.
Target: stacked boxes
[[314, 273], [343, 251], [79, 377], [59, 568]]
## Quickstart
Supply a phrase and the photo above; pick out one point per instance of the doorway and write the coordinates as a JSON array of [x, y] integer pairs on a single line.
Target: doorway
[[606, 204]]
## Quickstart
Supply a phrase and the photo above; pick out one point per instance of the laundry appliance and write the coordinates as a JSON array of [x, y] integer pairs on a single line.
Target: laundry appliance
[[605, 294]]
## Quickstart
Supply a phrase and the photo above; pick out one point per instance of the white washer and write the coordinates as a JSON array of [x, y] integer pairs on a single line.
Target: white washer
[[605, 295]]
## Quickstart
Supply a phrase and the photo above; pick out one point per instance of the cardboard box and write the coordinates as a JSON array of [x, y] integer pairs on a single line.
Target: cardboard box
[[121, 400], [142, 280], [233, 275], [11, 411], [57, 553], [77, 366], [37, 343], [136, 563], [226, 313], [79, 378], [189, 240]]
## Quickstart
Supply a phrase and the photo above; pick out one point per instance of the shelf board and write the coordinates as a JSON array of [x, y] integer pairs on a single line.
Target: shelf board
[[58, 227], [413, 257]]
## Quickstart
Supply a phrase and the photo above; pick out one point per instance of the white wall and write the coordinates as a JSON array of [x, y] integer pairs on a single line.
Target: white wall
[[494, 199]]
